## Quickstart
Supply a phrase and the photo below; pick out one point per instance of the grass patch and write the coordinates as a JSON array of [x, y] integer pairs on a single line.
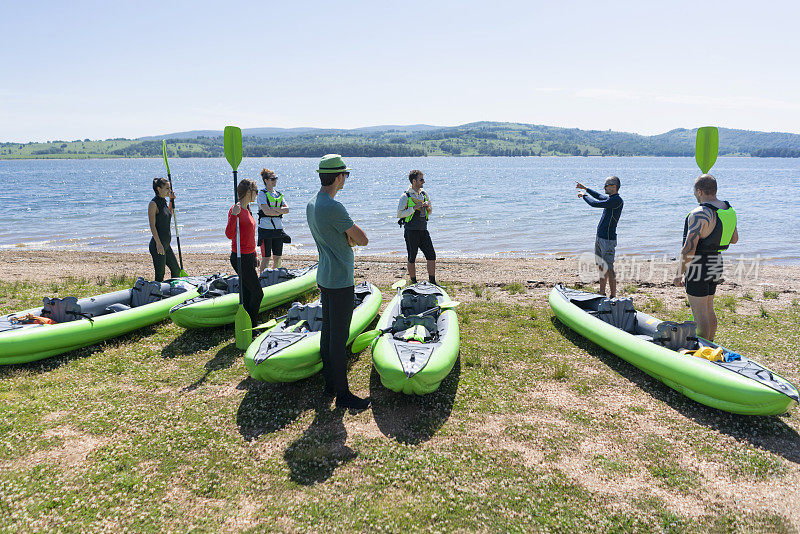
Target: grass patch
[[770, 295], [631, 289], [478, 289], [514, 288], [727, 302], [654, 305], [162, 429]]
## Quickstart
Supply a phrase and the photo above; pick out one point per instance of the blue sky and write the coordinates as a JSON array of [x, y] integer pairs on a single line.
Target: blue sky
[[106, 69]]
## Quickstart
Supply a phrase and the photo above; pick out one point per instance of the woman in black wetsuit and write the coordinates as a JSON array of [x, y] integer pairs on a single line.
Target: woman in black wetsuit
[[159, 214]]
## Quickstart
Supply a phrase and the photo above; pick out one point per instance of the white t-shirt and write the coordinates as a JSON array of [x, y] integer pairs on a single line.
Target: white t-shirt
[[270, 223]]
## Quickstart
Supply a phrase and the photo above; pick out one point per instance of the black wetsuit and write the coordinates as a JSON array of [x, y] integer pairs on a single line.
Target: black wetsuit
[[705, 271], [160, 261]]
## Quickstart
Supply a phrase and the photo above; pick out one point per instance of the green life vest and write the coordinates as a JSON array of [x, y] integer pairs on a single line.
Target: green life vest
[[720, 237], [270, 199], [411, 203]]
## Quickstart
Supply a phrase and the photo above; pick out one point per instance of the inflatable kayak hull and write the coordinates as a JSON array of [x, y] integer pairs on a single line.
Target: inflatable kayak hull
[[218, 307], [27, 343], [412, 367], [290, 350], [742, 386]]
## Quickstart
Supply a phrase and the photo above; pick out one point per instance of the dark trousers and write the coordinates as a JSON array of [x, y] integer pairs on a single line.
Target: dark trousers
[[249, 285], [163, 260], [337, 310]]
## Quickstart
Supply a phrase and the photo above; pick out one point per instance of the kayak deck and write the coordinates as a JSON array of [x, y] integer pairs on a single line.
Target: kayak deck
[[740, 385], [85, 321], [421, 348], [290, 350], [217, 301]]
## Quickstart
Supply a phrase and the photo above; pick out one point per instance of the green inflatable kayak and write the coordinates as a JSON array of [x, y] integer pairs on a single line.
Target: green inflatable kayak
[[289, 351], [216, 306], [734, 383], [86, 321], [421, 348]]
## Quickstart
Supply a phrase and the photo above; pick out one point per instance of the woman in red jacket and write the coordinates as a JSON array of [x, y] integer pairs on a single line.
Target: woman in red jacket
[[248, 278]]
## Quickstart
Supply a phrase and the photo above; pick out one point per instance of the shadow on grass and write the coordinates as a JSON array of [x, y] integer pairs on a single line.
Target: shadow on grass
[[195, 340], [54, 362], [223, 359], [413, 419], [268, 407], [315, 455], [767, 432]]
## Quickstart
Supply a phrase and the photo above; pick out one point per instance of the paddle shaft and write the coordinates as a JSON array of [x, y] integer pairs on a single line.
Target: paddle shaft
[[175, 222], [238, 241]]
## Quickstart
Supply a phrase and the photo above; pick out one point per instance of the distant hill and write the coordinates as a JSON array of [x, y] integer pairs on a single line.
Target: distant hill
[[473, 139]]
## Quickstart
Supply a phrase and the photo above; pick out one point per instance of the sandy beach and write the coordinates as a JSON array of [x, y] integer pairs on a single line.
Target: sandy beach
[[537, 275]]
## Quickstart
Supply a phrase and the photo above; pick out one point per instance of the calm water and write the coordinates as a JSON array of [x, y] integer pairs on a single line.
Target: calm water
[[483, 206]]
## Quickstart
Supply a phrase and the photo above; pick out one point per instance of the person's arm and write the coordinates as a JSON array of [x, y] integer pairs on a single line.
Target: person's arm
[[356, 236], [698, 221], [735, 236], [230, 229], [284, 209], [601, 201], [403, 209], [151, 215]]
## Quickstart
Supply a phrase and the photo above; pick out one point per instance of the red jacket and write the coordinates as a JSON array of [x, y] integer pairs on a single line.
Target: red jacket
[[247, 231]]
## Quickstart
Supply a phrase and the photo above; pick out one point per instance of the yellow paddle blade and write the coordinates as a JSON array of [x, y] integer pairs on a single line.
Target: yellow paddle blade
[[243, 328]]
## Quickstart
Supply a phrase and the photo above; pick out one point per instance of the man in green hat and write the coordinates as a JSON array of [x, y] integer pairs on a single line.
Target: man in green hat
[[335, 233]]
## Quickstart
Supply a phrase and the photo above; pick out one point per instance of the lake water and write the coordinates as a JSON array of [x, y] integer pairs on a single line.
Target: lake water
[[483, 206]]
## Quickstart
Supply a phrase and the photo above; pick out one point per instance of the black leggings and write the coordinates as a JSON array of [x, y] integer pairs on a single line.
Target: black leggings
[[337, 310], [249, 285], [164, 260]]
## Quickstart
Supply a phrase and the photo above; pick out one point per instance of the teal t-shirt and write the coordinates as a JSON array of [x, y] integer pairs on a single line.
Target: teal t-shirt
[[328, 221]]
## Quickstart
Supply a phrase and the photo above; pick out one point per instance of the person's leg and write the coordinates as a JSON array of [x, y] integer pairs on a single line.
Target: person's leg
[[699, 306], [264, 257], [255, 293], [412, 246], [712, 318], [159, 261], [172, 262], [342, 312], [602, 273], [325, 340], [277, 252], [426, 245], [611, 276]]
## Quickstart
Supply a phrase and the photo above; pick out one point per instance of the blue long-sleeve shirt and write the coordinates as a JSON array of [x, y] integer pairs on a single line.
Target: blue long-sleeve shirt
[[612, 209]]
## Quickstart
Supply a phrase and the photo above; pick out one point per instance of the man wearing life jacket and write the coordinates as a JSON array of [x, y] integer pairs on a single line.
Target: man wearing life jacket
[[707, 231], [413, 211]]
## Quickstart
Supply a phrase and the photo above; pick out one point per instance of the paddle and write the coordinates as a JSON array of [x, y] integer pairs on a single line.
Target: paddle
[[363, 340], [706, 147], [233, 153], [174, 213]]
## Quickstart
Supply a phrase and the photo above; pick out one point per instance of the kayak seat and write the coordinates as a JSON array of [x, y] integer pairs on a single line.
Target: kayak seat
[[61, 310], [402, 323], [270, 277], [310, 313], [415, 333], [361, 292], [144, 292], [232, 284], [413, 304], [618, 312], [117, 308], [676, 336]]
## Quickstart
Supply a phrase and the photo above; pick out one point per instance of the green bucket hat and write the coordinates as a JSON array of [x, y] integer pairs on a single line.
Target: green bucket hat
[[332, 164]]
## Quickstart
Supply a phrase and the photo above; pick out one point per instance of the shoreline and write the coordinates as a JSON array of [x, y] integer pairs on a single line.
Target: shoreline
[[772, 286]]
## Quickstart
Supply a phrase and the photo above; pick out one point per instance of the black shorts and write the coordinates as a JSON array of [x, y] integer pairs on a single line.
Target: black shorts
[[419, 240], [270, 240], [703, 275]]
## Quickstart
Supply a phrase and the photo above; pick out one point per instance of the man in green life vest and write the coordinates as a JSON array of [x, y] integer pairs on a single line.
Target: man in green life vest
[[413, 211], [707, 231]]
